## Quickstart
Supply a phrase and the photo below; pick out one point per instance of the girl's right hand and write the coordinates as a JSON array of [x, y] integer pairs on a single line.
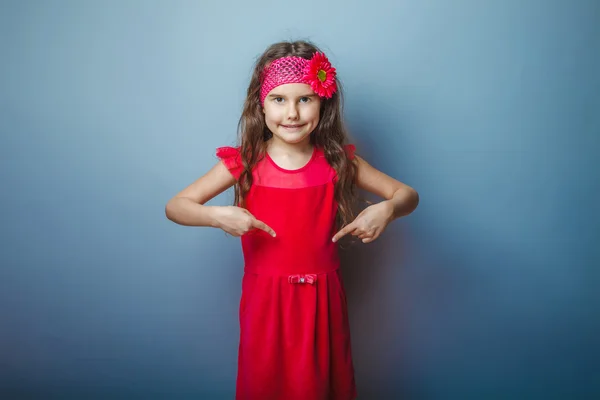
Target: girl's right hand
[[238, 221]]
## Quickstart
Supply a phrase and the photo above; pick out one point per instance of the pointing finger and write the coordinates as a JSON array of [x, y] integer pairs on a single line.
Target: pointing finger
[[343, 232], [261, 225]]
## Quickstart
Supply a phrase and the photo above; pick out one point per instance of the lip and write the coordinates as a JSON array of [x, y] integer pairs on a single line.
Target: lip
[[293, 128]]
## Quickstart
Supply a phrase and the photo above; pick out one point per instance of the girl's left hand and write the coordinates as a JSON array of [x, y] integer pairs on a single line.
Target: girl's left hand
[[369, 224]]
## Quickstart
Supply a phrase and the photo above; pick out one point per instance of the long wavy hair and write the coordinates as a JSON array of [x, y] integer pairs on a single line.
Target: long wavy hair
[[330, 134]]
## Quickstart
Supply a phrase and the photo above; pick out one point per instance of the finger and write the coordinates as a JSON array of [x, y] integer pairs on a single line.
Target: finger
[[369, 239], [343, 232], [261, 225], [358, 232]]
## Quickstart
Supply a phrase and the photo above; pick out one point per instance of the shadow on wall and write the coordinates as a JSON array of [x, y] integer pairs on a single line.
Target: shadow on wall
[[448, 302], [375, 277]]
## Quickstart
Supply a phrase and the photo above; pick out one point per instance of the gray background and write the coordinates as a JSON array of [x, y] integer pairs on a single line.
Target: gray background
[[490, 109]]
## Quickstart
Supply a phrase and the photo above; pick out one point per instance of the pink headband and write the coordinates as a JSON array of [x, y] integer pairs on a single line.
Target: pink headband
[[316, 72]]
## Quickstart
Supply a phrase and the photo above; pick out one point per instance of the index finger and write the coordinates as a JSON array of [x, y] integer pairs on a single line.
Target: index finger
[[343, 232], [261, 225]]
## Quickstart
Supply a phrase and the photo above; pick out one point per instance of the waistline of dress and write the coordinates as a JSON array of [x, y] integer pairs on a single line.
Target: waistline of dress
[[275, 271]]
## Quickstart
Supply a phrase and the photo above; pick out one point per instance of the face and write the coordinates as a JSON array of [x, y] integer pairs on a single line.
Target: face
[[292, 112]]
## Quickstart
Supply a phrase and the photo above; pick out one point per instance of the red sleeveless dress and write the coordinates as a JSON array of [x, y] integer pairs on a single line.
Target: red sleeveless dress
[[294, 331]]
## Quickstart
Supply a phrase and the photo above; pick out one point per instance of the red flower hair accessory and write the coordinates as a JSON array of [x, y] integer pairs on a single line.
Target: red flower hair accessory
[[320, 75]]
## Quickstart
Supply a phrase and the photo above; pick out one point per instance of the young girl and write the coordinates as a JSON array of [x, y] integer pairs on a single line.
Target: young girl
[[295, 179]]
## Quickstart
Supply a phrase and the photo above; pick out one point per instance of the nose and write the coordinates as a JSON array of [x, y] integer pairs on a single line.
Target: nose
[[292, 112]]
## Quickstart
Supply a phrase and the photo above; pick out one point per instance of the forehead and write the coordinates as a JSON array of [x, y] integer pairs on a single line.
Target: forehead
[[292, 90]]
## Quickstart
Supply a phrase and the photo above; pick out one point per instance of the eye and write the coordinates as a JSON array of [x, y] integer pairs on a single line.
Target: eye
[[278, 99], [304, 99]]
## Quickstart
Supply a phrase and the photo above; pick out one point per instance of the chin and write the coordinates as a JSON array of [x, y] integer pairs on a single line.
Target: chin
[[293, 139]]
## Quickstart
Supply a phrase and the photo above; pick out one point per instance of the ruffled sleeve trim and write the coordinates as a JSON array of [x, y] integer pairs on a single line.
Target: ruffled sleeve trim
[[232, 159], [350, 150]]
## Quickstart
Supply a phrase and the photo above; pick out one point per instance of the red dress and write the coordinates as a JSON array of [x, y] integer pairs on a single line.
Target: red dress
[[294, 331]]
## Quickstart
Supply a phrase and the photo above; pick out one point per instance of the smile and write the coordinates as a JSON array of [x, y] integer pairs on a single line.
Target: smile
[[293, 128]]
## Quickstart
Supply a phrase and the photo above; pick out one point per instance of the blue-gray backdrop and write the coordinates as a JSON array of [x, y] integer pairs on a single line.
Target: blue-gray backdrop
[[489, 109]]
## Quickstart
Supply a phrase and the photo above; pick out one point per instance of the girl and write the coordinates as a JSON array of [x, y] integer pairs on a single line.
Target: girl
[[295, 184]]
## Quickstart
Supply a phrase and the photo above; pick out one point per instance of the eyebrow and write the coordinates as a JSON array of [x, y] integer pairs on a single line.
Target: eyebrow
[[280, 95]]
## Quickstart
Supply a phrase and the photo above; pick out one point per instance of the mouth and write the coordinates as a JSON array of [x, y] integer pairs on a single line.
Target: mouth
[[292, 127]]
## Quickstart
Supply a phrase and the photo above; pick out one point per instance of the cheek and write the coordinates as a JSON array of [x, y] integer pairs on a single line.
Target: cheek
[[314, 113], [272, 115]]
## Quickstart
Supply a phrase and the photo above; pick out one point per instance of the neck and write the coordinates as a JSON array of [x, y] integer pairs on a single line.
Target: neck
[[277, 145]]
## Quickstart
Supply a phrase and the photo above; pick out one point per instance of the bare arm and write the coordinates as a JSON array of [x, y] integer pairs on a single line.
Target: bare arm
[[401, 198], [187, 207]]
